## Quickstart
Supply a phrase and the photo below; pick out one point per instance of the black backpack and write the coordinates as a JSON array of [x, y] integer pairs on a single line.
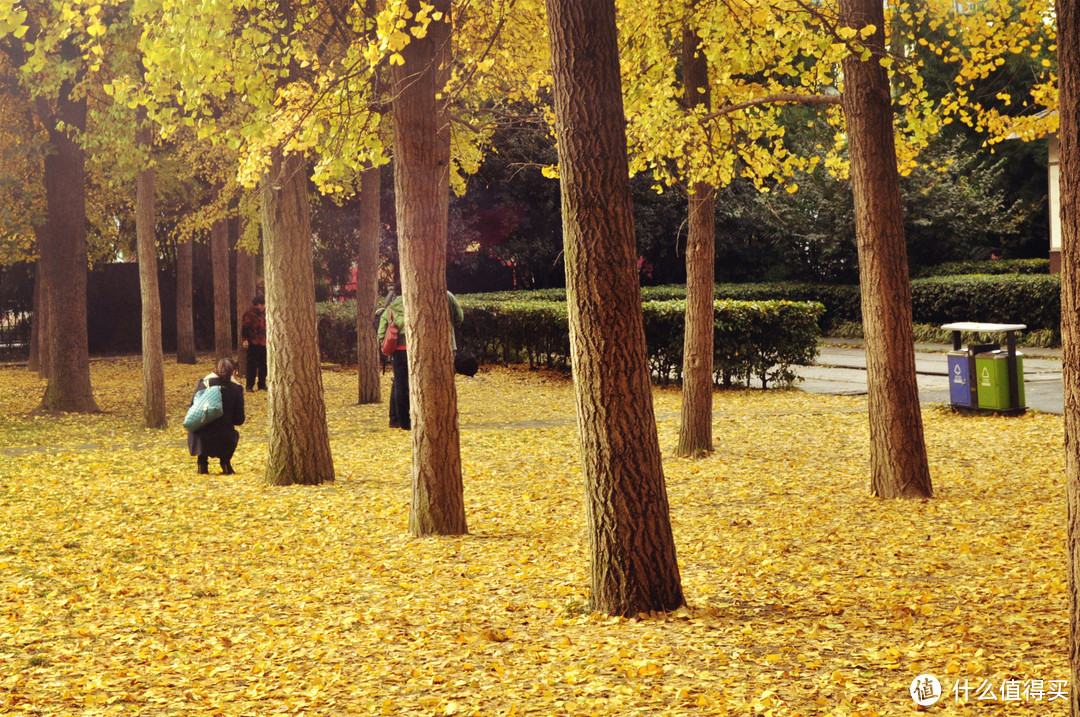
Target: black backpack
[[466, 363]]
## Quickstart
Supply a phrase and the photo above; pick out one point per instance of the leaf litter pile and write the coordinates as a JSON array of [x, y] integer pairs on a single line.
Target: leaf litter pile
[[129, 585]]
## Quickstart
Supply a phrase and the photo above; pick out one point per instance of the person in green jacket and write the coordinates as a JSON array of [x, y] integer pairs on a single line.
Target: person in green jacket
[[399, 389]]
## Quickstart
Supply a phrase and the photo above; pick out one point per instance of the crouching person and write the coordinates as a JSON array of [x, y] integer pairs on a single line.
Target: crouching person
[[218, 438]]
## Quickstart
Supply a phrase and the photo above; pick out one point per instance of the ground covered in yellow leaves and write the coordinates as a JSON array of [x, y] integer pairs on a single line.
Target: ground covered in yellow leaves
[[129, 585]]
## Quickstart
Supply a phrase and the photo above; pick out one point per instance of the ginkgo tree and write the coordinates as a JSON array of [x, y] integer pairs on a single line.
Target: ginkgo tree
[[699, 153], [21, 193], [120, 144], [248, 77], [1069, 106], [984, 47], [1001, 60], [728, 121], [633, 567], [22, 201], [432, 87], [46, 46], [294, 80], [60, 56]]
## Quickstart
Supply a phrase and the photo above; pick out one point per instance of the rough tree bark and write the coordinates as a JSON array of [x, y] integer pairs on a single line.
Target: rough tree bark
[[1068, 41], [299, 440], [39, 331], [368, 364], [219, 254], [62, 249], [695, 427], [368, 359], [898, 460], [153, 363], [633, 566], [245, 292], [185, 314], [438, 503]]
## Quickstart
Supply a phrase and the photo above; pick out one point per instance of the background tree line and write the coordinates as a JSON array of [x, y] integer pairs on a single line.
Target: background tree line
[[962, 202]]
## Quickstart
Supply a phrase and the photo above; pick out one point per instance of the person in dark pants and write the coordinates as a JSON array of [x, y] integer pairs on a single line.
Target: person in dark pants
[[253, 332], [218, 439], [399, 389]]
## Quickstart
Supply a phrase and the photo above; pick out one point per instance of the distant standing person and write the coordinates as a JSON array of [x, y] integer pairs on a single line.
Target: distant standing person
[[218, 439], [399, 389], [253, 332]]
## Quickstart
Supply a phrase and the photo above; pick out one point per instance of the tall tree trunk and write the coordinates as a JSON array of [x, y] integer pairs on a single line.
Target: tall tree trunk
[[219, 253], [185, 314], [898, 461], [368, 359], [438, 503], [63, 253], [368, 365], [695, 427], [299, 440], [245, 292], [39, 330], [633, 566], [1068, 41], [153, 363]]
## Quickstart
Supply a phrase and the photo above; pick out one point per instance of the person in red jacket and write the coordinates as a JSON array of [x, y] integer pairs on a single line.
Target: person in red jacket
[[253, 332]]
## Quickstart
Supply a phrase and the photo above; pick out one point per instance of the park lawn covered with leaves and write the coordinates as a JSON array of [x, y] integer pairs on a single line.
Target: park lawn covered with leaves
[[129, 585]]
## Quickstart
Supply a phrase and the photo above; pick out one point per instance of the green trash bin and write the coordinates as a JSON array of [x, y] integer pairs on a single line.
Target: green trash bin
[[992, 380]]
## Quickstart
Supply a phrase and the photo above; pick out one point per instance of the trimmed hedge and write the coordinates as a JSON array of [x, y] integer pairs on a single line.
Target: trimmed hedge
[[1003, 266], [1031, 299], [1014, 298], [521, 330], [934, 334], [337, 331], [841, 301], [754, 340]]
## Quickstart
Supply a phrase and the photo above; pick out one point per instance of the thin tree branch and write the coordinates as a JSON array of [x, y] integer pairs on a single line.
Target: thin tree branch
[[768, 99]]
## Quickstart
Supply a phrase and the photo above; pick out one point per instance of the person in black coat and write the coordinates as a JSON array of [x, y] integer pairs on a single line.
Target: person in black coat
[[218, 439]]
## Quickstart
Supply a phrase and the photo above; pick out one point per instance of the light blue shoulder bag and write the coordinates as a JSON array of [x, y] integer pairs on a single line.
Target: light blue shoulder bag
[[205, 409]]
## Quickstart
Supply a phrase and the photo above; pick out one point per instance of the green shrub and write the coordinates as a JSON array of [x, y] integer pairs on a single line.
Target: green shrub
[[934, 334], [759, 340], [1013, 298], [1032, 299], [337, 331], [752, 339], [1004, 266], [516, 330], [841, 301]]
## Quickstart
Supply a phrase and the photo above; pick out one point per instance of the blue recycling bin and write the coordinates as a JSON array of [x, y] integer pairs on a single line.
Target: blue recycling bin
[[963, 386], [961, 390]]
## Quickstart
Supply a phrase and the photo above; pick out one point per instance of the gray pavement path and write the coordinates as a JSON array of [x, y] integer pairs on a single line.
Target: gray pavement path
[[841, 369]]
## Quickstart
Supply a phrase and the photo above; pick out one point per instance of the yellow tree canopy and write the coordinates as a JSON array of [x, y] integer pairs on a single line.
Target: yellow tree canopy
[[762, 55], [252, 76], [1002, 60]]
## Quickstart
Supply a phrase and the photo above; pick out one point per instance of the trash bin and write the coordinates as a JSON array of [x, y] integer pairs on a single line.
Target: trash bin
[[961, 390], [962, 386], [992, 380]]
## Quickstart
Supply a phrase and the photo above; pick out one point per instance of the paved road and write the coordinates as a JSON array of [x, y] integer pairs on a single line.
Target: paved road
[[841, 369]]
